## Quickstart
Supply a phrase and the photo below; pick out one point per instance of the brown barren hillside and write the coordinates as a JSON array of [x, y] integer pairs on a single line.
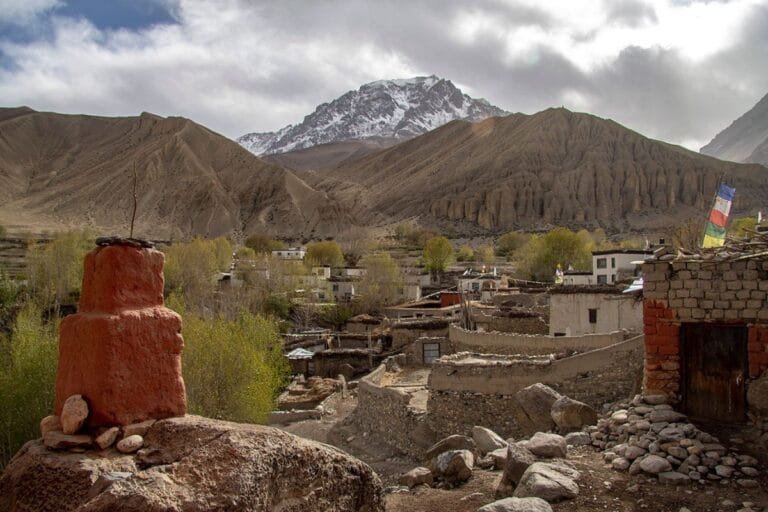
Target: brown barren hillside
[[73, 170], [535, 171]]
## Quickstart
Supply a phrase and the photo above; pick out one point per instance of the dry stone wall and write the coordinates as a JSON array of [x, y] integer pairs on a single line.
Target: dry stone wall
[[470, 389], [527, 344]]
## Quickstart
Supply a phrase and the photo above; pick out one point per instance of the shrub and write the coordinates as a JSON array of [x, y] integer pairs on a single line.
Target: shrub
[[233, 369], [28, 362]]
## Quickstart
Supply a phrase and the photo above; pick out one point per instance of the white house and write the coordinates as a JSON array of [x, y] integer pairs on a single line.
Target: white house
[[616, 264], [292, 253], [579, 310]]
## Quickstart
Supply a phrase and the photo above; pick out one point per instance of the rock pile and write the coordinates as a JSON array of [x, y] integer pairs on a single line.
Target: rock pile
[[647, 436], [66, 432]]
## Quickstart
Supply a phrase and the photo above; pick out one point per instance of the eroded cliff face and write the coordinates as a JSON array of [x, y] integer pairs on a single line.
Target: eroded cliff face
[[552, 168]]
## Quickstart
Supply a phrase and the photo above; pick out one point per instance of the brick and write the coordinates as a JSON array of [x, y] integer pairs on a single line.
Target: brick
[[669, 330], [749, 275], [684, 274], [698, 313], [683, 294], [728, 295], [676, 285], [762, 314], [738, 304], [733, 285], [742, 294], [749, 314], [692, 265], [684, 313], [754, 346], [754, 304], [763, 285], [730, 276], [705, 285], [757, 294], [661, 286], [751, 265], [730, 314], [722, 304], [691, 303], [749, 285], [669, 349], [676, 303], [697, 293], [705, 274], [716, 314], [679, 265], [706, 304], [738, 266]]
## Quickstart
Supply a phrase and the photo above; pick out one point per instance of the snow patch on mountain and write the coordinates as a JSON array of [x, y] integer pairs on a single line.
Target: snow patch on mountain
[[399, 109]]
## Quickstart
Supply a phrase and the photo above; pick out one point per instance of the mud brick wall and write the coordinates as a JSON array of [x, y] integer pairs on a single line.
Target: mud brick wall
[[723, 292]]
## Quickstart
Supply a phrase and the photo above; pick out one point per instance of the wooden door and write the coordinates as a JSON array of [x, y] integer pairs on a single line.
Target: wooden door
[[714, 363]]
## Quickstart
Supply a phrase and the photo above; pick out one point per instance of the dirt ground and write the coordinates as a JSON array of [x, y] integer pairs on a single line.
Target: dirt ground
[[601, 488]]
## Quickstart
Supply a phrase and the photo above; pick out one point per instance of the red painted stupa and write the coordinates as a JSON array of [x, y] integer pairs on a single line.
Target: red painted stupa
[[122, 350]]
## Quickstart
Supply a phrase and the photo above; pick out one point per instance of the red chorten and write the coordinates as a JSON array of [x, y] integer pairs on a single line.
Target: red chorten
[[122, 350]]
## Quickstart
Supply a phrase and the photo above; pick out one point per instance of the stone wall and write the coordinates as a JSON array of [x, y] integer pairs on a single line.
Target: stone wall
[[534, 324], [414, 352], [528, 344], [386, 413], [403, 334], [726, 292], [471, 389]]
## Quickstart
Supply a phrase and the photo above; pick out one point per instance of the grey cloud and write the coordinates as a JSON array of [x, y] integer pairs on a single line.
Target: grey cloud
[[631, 13]]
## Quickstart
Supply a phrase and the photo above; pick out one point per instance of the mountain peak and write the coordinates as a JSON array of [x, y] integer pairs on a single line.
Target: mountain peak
[[746, 139], [396, 109]]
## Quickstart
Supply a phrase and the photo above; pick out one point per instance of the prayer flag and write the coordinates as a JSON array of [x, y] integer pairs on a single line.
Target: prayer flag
[[714, 235]]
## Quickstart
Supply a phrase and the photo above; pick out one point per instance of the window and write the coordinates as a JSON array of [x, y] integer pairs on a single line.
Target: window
[[613, 262], [602, 263], [431, 352], [613, 278], [592, 316], [475, 286], [335, 287], [602, 279]]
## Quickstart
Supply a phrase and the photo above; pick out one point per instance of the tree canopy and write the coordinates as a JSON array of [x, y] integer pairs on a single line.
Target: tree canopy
[[326, 252], [381, 283], [437, 254]]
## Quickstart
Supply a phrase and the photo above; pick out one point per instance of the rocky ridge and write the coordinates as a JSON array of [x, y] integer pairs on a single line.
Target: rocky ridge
[[746, 139], [393, 110]]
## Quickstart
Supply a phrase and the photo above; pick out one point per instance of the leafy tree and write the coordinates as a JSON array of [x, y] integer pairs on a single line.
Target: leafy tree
[[688, 235], [264, 244], [409, 234], [465, 253], [485, 255], [28, 362], [743, 227], [437, 254], [356, 243], [233, 369], [327, 252], [191, 269], [55, 270], [381, 283], [510, 242], [335, 316], [539, 258]]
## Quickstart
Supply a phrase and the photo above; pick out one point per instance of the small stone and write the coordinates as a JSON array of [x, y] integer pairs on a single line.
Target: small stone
[[137, 428], [130, 444], [747, 483], [749, 471], [74, 412], [49, 424], [416, 476], [107, 438], [667, 415], [655, 399], [577, 439], [724, 471], [530, 504], [654, 464], [620, 464], [673, 478], [56, 440]]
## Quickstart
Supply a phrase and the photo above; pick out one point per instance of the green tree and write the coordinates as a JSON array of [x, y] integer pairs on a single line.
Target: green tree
[[326, 252], [381, 283], [191, 268], [485, 255], [55, 269], [264, 244], [743, 227], [437, 254], [510, 242], [465, 253], [28, 362], [539, 258], [233, 369]]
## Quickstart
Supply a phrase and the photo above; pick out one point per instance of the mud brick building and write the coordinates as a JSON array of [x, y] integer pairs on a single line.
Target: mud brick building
[[706, 331]]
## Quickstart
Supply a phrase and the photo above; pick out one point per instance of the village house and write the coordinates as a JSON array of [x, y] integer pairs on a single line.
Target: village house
[[578, 310], [706, 332], [292, 253]]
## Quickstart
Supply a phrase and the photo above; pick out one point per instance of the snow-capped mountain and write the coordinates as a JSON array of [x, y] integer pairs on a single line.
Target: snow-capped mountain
[[397, 109]]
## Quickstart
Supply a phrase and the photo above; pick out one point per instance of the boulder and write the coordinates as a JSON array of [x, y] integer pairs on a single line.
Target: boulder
[[518, 460], [487, 440], [74, 412], [139, 429], [454, 442], [548, 446], [517, 505], [533, 413], [416, 476], [550, 482], [499, 457], [570, 415], [454, 466], [202, 464], [578, 439]]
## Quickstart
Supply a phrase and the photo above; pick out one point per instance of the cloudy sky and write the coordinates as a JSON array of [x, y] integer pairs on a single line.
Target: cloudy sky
[[676, 70]]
